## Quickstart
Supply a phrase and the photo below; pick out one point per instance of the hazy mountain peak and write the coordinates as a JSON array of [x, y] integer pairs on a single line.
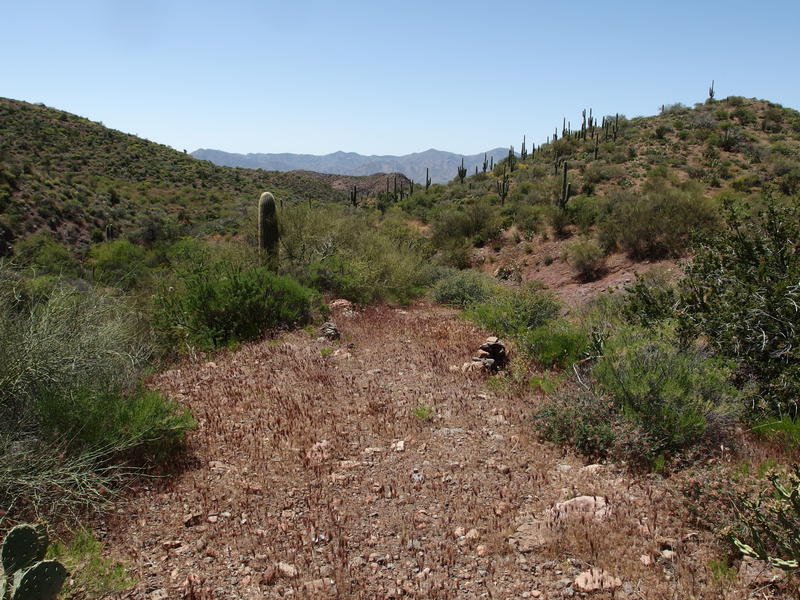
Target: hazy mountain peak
[[442, 165]]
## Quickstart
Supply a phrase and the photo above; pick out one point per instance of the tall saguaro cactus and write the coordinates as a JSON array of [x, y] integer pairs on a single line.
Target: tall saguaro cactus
[[462, 171], [268, 234], [564, 188]]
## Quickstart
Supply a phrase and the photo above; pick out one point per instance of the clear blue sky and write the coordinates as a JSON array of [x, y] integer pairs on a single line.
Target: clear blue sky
[[387, 77]]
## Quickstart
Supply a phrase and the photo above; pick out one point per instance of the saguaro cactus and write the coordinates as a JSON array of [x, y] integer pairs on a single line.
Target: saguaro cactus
[[268, 234], [502, 187], [27, 575], [462, 171], [427, 179], [564, 188]]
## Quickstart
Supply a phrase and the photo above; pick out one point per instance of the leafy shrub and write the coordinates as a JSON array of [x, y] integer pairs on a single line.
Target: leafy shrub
[[741, 292], [118, 263], [462, 289], [581, 419], [673, 394], [88, 418], [586, 257], [515, 313], [213, 305], [346, 253], [477, 223], [659, 221], [70, 363], [558, 344], [651, 299], [43, 254]]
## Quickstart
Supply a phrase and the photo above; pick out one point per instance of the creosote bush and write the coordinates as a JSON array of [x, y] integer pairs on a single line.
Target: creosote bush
[[586, 257], [514, 313], [462, 289], [674, 394], [215, 304], [657, 222], [72, 414]]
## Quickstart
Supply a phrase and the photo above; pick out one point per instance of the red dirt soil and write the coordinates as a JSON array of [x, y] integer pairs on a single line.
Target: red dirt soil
[[296, 483]]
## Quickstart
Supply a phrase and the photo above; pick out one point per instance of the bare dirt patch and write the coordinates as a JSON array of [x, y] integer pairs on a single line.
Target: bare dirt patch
[[367, 468]]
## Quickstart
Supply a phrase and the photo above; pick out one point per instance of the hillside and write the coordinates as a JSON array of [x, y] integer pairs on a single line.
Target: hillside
[[442, 166], [85, 182]]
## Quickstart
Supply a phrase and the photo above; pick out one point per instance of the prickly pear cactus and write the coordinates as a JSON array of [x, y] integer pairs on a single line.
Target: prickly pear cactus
[[42, 581], [23, 546], [27, 576]]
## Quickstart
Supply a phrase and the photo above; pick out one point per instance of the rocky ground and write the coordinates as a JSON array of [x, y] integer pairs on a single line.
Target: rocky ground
[[373, 467]]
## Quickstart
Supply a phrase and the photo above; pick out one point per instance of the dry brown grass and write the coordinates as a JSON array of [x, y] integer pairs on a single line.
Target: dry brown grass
[[292, 462]]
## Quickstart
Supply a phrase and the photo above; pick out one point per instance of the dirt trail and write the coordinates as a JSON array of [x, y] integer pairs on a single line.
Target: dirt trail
[[310, 476]]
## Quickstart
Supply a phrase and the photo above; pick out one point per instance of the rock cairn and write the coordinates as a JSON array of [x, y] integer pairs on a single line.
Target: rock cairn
[[329, 331], [491, 356]]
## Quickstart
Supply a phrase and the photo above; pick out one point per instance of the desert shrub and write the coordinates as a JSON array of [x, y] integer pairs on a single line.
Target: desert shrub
[[477, 223], [662, 130], [556, 344], [528, 218], [41, 253], [87, 418], [334, 249], [741, 292], [56, 344], [214, 304], [585, 211], [70, 405], [118, 263], [651, 299], [585, 421], [514, 313], [772, 522], [746, 182], [672, 393], [597, 172], [659, 221], [462, 289], [586, 257]]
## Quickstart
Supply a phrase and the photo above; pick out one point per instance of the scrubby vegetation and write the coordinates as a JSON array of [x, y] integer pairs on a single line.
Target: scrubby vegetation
[[126, 255]]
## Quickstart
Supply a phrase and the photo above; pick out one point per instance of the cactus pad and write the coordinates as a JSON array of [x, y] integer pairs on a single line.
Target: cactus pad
[[42, 581], [23, 546]]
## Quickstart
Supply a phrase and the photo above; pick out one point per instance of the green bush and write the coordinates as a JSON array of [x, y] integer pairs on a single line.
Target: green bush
[[741, 292], [352, 255], [462, 289], [673, 394], [90, 418], [119, 263], [558, 344], [651, 299], [59, 343], [476, 223], [586, 257], [658, 221], [71, 410], [583, 420], [514, 313], [213, 305], [41, 253]]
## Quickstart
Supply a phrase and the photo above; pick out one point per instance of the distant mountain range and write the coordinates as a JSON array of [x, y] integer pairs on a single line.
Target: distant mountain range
[[443, 165]]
